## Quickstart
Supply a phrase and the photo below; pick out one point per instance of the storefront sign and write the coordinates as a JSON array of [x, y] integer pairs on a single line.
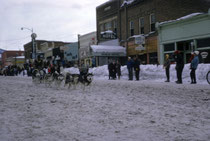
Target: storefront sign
[[108, 54], [140, 47], [204, 54], [140, 40]]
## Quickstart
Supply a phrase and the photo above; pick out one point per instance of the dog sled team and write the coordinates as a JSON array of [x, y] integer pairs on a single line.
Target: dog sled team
[[54, 75]]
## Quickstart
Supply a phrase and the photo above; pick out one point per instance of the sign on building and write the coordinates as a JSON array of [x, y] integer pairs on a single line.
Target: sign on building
[[140, 40], [140, 47]]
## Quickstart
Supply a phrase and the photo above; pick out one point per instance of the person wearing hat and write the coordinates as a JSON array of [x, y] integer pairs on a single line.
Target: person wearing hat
[[193, 67], [167, 67], [179, 66]]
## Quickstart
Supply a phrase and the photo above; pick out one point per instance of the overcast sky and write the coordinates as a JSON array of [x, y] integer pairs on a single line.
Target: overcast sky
[[60, 20]]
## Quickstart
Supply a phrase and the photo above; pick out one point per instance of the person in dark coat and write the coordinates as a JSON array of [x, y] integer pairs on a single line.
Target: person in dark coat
[[114, 70], [130, 68], [110, 69], [179, 66], [118, 68], [193, 67], [136, 66], [167, 67]]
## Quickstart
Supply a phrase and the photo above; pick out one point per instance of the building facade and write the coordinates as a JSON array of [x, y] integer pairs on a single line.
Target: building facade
[[12, 58], [71, 52], [126, 20], [42, 47], [85, 41], [185, 34], [138, 17], [107, 20]]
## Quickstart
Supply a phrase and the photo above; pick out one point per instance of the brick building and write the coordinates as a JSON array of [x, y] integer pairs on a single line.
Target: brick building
[[138, 17], [41, 46], [8, 55], [107, 18]]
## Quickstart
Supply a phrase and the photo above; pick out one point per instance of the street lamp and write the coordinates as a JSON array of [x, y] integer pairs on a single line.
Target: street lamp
[[33, 37]]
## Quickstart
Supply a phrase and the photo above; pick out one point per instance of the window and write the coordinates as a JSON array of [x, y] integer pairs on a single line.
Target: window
[[152, 22], [203, 43], [101, 27], [169, 47], [141, 26], [131, 28], [107, 8], [108, 26]]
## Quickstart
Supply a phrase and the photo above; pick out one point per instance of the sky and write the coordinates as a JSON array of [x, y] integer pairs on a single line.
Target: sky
[[59, 20]]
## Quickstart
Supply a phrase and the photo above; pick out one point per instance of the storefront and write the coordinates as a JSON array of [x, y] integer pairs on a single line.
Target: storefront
[[144, 47], [103, 53], [185, 34]]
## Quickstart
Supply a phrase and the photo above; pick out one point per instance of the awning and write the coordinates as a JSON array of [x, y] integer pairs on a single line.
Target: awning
[[106, 50]]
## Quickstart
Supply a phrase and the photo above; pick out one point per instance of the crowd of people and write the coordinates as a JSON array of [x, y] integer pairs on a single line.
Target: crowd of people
[[133, 65], [27, 69], [114, 67], [178, 57], [12, 70]]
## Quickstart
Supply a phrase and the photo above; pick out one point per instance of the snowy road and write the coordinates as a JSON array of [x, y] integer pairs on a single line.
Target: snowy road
[[107, 111]]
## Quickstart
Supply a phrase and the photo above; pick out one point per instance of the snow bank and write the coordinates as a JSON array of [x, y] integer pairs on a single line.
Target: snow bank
[[151, 72]]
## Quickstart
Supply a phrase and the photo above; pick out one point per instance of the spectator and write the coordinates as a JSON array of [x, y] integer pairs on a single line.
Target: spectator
[[167, 67], [130, 68], [193, 67], [118, 68], [136, 68], [179, 66]]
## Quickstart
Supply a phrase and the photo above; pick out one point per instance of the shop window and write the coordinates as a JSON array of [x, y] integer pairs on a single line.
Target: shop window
[[180, 46], [152, 22], [141, 26], [169, 47], [201, 43], [185, 46], [131, 28]]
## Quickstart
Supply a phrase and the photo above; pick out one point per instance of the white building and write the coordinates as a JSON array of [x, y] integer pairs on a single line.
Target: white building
[[85, 41]]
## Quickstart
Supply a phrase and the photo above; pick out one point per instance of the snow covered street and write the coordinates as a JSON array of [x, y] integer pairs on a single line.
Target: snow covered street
[[109, 110]]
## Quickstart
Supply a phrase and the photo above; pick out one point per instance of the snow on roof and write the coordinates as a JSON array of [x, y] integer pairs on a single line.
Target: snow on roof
[[107, 48], [104, 4], [182, 18], [127, 2], [110, 42], [136, 36], [49, 48], [108, 31], [20, 57]]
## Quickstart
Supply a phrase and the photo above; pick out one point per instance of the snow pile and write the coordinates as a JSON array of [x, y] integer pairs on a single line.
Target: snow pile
[[151, 72]]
